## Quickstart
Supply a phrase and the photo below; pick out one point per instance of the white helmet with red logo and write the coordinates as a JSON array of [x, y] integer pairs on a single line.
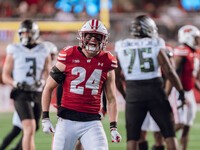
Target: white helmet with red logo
[[97, 27], [187, 35]]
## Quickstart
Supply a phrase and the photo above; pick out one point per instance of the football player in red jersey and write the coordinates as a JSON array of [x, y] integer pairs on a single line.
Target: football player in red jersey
[[187, 64], [84, 70]]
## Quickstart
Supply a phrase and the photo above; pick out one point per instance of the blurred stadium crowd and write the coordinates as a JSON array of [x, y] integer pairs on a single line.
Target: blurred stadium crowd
[[168, 14]]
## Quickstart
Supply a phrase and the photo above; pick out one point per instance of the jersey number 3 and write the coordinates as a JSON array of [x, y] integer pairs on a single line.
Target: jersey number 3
[[91, 83]]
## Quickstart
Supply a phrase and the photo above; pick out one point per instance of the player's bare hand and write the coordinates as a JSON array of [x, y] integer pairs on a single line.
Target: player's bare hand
[[115, 136], [47, 126]]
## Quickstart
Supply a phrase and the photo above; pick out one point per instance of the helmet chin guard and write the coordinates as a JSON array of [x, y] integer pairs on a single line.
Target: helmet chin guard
[[96, 27]]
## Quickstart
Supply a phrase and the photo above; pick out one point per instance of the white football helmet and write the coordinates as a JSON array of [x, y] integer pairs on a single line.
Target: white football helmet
[[97, 27], [28, 26], [187, 35]]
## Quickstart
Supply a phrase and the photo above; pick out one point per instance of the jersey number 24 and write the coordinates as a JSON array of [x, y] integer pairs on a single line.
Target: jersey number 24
[[91, 83]]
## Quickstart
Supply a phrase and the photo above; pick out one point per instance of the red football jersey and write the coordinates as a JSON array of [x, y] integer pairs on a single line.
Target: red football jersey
[[84, 78], [191, 66]]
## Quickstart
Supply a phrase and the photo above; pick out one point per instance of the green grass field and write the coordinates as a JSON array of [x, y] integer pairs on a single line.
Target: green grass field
[[43, 141]]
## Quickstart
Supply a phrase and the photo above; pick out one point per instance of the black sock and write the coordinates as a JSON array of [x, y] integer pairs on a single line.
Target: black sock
[[8, 139], [158, 148], [19, 145], [143, 145]]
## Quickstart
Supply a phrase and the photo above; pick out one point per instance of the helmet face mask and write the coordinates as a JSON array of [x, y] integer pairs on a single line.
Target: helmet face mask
[[98, 30], [189, 35], [28, 32], [26, 37], [93, 42], [143, 26]]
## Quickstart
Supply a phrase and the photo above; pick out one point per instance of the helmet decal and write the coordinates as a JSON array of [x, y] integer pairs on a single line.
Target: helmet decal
[[95, 24]]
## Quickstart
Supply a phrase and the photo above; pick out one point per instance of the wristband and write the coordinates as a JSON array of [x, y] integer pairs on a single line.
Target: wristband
[[45, 114], [113, 124]]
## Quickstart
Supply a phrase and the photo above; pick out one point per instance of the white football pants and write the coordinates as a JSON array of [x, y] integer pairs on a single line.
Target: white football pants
[[90, 133]]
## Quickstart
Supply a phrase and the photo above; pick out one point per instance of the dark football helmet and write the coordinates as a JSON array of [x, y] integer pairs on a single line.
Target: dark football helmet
[[28, 26], [143, 26]]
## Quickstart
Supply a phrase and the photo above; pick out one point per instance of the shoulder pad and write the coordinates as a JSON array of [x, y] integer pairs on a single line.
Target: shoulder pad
[[52, 49], [112, 61], [11, 48], [161, 42], [64, 53]]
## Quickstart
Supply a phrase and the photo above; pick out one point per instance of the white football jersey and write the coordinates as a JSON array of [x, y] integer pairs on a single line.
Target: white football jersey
[[28, 63], [138, 57]]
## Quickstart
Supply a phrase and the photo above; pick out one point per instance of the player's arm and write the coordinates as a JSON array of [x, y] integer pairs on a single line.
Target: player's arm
[[45, 72], [110, 90], [52, 82], [47, 67], [119, 80], [168, 85], [7, 69], [171, 74], [56, 76], [169, 70]]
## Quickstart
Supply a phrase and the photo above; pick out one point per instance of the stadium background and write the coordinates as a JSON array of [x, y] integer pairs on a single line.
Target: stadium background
[[59, 21]]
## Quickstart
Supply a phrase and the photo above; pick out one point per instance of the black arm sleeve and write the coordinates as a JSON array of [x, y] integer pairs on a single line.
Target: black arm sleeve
[[57, 75]]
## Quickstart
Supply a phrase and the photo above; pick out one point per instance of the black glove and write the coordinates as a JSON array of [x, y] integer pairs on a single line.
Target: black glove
[[40, 83], [182, 98], [20, 86]]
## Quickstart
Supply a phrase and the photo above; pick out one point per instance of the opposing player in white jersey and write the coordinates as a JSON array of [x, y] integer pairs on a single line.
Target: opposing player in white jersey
[[27, 62], [141, 59], [149, 124], [84, 71], [17, 125]]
